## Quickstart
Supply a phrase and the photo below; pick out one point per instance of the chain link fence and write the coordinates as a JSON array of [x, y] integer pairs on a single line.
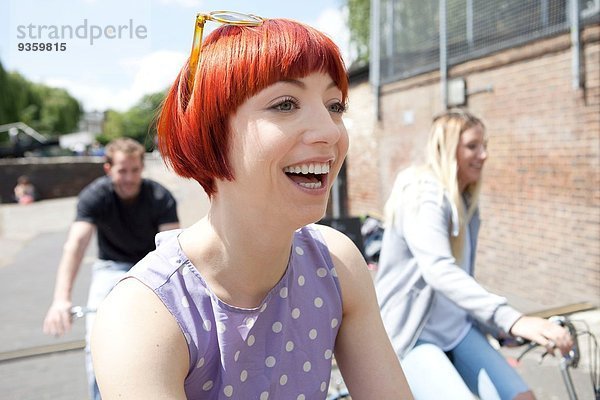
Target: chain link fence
[[410, 29]]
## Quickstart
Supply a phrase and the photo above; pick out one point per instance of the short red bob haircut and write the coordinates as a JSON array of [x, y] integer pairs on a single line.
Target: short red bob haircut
[[235, 64]]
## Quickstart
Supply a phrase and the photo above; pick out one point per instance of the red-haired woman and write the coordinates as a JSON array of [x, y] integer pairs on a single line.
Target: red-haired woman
[[253, 300]]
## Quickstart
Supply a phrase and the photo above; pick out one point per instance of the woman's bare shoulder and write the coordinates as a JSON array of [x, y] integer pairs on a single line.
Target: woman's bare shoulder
[[343, 251], [137, 345]]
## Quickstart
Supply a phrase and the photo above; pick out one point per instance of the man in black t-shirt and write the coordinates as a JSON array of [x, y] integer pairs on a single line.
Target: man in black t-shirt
[[126, 211]]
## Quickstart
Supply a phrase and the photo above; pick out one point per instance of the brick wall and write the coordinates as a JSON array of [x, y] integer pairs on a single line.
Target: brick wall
[[362, 164], [540, 237], [53, 177]]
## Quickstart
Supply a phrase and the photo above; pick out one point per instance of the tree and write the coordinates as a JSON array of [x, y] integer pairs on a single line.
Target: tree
[[113, 127], [58, 112], [359, 13], [137, 122], [3, 98], [46, 109]]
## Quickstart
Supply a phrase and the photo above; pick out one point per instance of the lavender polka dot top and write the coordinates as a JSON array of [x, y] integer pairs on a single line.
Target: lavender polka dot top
[[280, 350]]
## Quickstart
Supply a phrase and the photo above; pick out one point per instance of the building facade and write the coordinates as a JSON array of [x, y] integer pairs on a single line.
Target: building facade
[[540, 205]]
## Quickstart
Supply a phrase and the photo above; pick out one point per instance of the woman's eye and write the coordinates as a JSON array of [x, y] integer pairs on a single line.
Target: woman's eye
[[337, 108], [286, 105]]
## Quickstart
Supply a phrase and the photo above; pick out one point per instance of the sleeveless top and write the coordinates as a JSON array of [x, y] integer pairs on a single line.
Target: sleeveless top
[[280, 350]]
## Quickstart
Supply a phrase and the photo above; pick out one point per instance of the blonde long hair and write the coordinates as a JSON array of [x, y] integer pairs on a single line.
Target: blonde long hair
[[442, 166]]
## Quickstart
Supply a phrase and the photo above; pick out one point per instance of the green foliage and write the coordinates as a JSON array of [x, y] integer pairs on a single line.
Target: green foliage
[[137, 122], [57, 111], [46, 109], [359, 13], [53, 111], [113, 126], [4, 101]]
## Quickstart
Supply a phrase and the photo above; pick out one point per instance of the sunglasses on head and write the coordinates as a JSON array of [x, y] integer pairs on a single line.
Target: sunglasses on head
[[224, 17]]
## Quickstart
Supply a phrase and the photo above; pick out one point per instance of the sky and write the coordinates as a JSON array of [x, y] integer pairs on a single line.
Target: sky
[[115, 51]]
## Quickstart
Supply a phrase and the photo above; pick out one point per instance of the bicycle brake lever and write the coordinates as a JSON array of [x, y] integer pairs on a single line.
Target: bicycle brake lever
[[544, 354], [530, 346], [572, 358]]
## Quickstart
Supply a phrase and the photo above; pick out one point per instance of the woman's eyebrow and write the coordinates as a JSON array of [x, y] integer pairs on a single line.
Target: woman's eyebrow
[[295, 82], [302, 85]]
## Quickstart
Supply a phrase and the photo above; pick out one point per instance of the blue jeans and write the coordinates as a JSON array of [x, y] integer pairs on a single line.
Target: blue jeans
[[472, 367], [105, 275]]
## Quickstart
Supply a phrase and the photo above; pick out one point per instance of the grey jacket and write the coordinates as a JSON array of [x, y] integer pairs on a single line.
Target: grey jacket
[[416, 263]]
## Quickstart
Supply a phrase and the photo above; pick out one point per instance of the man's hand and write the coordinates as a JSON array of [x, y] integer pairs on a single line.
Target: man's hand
[[58, 319]]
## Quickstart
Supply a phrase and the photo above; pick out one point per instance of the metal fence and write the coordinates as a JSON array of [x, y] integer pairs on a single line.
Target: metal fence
[[409, 32]]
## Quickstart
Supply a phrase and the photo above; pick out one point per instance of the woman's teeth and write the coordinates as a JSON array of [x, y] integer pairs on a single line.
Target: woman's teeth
[[312, 168], [306, 175]]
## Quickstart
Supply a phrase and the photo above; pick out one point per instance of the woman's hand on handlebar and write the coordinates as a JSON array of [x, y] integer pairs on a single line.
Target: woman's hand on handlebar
[[544, 332]]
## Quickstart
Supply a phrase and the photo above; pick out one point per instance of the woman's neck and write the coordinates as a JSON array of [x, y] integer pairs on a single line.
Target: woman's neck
[[241, 259]]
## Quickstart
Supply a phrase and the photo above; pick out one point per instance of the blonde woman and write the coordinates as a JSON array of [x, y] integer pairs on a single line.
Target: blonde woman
[[432, 307]]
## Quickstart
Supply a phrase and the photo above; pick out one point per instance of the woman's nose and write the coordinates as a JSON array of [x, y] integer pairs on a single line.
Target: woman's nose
[[483, 154], [323, 128]]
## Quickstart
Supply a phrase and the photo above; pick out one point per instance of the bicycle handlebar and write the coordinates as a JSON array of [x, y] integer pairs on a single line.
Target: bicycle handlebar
[[79, 311], [571, 359]]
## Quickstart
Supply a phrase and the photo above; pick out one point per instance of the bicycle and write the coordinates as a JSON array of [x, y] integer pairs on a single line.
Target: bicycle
[[571, 360], [338, 390]]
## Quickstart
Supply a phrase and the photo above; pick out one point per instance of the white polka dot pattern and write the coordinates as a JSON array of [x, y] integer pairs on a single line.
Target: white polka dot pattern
[[282, 349], [307, 366], [207, 325], [318, 302], [289, 346], [283, 379], [183, 270], [250, 322], [296, 313], [270, 361], [185, 303]]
